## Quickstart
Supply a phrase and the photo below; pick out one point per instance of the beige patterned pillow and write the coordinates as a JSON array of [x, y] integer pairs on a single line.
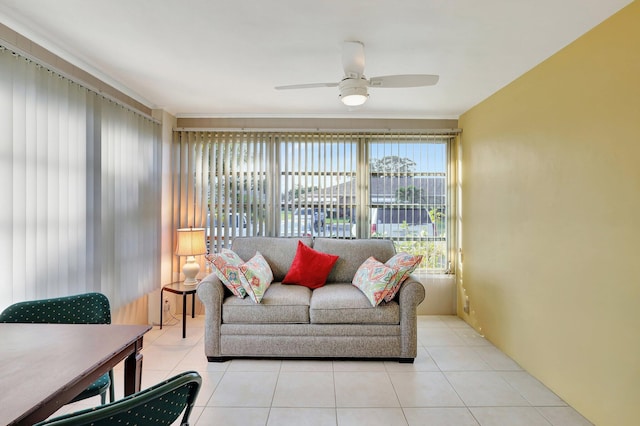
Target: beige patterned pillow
[[404, 264], [373, 279], [226, 264], [256, 276]]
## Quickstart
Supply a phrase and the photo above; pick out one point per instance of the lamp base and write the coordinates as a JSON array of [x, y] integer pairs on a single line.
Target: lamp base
[[190, 270]]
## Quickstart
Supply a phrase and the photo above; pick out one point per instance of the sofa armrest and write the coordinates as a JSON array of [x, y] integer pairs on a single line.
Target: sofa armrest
[[411, 294], [211, 293]]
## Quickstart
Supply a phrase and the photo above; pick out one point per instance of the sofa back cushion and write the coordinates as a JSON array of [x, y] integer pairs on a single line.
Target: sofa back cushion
[[277, 251], [352, 253]]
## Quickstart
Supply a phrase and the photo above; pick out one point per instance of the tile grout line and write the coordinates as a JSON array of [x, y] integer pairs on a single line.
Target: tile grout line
[[273, 396], [494, 367], [404, 415]]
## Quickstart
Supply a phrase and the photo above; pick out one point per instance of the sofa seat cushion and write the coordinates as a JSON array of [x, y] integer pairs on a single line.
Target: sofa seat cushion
[[342, 303], [281, 304]]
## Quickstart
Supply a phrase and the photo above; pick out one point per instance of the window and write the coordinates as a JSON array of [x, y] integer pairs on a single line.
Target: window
[[317, 184], [408, 196], [317, 197]]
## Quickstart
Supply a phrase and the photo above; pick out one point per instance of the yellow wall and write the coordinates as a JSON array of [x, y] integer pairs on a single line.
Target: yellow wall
[[551, 220]]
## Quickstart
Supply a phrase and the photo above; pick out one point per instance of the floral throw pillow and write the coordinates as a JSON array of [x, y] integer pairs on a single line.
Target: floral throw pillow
[[226, 266], [256, 276], [404, 264], [373, 279]]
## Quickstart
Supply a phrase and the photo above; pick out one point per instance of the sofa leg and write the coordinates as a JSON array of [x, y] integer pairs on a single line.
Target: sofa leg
[[218, 358], [406, 360]]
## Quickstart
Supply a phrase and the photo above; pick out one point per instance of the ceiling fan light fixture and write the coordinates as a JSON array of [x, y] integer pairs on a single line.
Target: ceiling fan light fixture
[[354, 100], [353, 92]]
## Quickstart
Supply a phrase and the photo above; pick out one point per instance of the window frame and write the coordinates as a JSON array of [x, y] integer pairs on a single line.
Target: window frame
[[273, 171]]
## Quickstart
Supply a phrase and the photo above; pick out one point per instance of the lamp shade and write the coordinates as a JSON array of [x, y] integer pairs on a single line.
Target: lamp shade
[[191, 242]]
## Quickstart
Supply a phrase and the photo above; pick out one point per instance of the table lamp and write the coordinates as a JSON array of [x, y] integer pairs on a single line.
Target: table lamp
[[191, 242]]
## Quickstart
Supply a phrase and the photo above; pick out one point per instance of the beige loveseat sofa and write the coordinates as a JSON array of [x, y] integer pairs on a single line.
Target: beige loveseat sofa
[[334, 321]]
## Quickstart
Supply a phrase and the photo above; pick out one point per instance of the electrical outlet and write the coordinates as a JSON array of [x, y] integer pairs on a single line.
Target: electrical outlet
[[166, 306]]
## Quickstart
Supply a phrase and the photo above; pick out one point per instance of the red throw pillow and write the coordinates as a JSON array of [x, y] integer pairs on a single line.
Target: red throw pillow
[[310, 267]]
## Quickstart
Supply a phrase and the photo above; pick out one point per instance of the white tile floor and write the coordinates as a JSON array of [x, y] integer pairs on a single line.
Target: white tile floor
[[457, 379]]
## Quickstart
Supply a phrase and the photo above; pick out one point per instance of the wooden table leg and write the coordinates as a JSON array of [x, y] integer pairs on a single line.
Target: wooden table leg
[[133, 370]]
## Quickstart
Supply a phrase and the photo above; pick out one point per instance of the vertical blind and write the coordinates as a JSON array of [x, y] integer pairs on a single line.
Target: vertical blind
[[80, 178], [313, 184], [243, 184], [318, 174], [221, 184]]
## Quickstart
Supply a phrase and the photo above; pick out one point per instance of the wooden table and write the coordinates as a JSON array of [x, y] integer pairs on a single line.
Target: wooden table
[[180, 288], [44, 366]]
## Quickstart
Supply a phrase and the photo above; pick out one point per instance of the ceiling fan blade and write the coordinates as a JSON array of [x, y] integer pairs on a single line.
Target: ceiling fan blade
[[306, 86], [404, 80], [353, 59]]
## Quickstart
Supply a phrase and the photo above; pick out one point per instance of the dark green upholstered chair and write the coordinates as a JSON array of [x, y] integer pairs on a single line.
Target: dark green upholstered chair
[[89, 308], [160, 404]]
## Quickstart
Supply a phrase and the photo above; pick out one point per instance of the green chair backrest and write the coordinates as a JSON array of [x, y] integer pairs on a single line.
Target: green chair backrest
[[160, 404], [88, 308]]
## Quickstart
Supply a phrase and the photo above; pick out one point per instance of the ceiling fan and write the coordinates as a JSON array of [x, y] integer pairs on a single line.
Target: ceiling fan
[[353, 86]]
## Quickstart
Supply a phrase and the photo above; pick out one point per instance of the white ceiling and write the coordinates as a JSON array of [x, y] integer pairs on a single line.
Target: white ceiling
[[223, 58]]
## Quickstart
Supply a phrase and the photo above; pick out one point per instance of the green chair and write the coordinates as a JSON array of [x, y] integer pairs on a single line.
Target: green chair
[[89, 308], [160, 404]]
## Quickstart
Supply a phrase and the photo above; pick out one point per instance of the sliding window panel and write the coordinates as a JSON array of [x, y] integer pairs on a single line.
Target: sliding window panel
[[222, 186], [408, 195], [318, 184]]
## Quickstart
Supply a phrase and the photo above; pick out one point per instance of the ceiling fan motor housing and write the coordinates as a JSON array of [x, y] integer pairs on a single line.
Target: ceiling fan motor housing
[[353, 91]]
